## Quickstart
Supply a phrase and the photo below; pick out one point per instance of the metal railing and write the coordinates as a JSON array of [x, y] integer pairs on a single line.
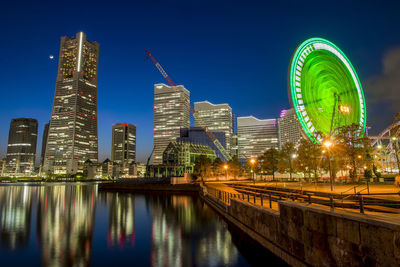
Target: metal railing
[[355, 201]]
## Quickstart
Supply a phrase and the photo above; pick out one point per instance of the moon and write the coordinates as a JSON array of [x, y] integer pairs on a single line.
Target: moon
[[51, 56]]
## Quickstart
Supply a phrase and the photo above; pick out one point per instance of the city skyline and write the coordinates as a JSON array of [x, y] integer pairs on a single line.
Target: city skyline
[[215, 62]]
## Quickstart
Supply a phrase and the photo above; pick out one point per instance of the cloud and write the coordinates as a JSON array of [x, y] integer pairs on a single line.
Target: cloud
[[383, 90], [386, 86]]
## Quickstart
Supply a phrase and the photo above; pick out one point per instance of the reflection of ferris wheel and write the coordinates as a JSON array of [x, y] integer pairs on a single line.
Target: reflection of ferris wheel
[[324, 89]]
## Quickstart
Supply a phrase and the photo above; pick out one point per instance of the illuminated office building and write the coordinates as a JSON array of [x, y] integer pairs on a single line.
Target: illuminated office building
[[289, 128], [123, 150], [255, 136], [217, 118], [170, 115], [21, 149], [72, 137]]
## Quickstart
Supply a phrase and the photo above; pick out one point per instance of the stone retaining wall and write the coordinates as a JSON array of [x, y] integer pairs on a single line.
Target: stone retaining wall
[[303, 234]]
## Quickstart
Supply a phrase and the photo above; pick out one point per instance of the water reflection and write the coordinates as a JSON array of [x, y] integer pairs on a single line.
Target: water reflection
[[121, 226], [185, 232], [54, 225], [65, 224], [16, 206]]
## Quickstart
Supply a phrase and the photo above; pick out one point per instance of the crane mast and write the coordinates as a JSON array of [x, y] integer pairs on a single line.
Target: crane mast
[[209, 133]]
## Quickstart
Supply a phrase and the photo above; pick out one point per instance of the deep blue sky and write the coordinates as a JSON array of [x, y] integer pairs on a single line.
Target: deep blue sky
[[234, 52]]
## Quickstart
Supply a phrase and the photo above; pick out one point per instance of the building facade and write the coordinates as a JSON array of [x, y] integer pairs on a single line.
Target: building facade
[[289, 128], [72, 137], [21, 149], [123, 150], [44, 142], [179, 157], [170, 115], [255, 136], [218, 118], [196, 135]]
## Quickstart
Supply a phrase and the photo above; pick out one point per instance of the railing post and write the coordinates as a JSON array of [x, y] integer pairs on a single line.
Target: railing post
[[270, 201], [355, 191], [261, 197], [248, 198], [332, 204], [254, 195], [368, 186], [361, 203], [309, 198]]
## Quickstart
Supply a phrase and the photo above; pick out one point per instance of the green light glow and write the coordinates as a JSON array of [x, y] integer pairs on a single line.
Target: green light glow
[[320, 73]]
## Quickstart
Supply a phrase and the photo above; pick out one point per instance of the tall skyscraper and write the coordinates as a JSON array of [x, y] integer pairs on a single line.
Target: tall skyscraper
[[217, 118], [289, 128], [123, 150], [21, 149], [255, 136], [44, 142], [170, 115], [73, 125]]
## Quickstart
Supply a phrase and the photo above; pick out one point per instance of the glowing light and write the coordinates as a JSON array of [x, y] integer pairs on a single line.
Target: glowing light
[[51, 56], [80, 51]]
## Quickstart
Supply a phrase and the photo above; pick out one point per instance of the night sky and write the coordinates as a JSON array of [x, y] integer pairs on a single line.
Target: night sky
[[234, 52]]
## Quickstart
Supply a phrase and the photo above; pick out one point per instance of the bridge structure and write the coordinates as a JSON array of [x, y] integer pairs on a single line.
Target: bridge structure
[[386, 146]]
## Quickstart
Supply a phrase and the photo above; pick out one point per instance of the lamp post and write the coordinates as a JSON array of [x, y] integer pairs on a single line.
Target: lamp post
[[293, 156], [396, 151], [328, 145], [226, 170], [252, 161]]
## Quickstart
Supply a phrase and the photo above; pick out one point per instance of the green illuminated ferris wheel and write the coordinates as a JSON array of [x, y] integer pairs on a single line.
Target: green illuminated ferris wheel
[[324, 89]]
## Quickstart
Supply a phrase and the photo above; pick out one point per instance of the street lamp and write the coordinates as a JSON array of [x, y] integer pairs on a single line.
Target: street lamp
[[226, 170], [328, 144], [252, 161]]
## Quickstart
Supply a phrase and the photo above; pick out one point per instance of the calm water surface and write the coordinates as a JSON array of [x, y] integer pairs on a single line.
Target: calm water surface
[[75, 225]]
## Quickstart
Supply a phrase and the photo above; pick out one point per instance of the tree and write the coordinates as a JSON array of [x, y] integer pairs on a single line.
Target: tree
[[269, 161], [234, 166], [308, 158], [286, 158], [202, 166], [349, 139], [217, 166]]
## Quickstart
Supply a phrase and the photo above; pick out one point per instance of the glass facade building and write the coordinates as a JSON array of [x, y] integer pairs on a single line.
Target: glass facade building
[[255, 136], [21, 149], [170, 115], [289, 128], [217, 117], [72, 137], [196, 135]]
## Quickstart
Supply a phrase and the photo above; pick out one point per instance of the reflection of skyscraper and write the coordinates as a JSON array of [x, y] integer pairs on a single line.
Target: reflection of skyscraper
[[21, 149], [15, 210], [65, 224], [72, 135], [184, 233], [121, 227]]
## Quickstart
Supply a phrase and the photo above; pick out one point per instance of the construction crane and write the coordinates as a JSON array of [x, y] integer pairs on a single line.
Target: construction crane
[[147, 172], [209, 133]]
